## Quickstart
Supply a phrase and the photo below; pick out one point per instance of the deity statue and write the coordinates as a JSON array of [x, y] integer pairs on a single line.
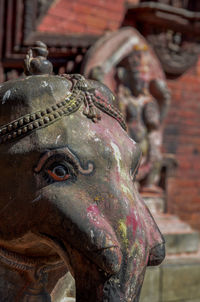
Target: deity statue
[[130, 68], [67, 193]]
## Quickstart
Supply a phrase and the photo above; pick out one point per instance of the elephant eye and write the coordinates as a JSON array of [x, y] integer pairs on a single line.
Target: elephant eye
[[61, 165], [59, 168], [59, 173]]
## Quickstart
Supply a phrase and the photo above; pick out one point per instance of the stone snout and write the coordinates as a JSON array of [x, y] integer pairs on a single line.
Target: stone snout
[[90, 235]]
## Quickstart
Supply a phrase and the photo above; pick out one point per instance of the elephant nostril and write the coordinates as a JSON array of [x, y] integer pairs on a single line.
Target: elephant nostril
[[157, 255]]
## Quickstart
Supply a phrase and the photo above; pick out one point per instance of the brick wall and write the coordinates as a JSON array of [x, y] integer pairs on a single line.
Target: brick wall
[[83, 16], [182, 138]]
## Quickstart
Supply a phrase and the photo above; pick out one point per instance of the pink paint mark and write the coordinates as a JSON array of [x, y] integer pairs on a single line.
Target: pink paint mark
[[117, 177], [94, 215], [132, 222], [102, 97], [97, 219], [141, 241], [99, 222]]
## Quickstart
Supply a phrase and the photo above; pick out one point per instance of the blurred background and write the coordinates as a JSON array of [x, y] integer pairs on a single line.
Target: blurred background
[[148, 53]]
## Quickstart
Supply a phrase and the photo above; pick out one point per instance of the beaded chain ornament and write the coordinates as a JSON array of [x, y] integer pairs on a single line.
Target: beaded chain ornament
[[81, 93]]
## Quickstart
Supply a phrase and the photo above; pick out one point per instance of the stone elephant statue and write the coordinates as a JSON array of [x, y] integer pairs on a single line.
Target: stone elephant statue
[[67, 194]]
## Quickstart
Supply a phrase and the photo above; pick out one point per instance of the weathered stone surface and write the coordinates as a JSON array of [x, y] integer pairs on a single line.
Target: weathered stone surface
[[180, 282], [182, 243], [179, 236], [193, 300], [156, 204], [150, 290], [176, 280], [64, 290]]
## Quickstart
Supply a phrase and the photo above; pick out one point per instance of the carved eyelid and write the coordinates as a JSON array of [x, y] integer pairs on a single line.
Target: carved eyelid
[[58, 178], [69, 154]]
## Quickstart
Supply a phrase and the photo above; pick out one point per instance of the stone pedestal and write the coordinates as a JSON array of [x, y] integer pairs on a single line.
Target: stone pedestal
[[177, 278], [180, 237], [156, 204]]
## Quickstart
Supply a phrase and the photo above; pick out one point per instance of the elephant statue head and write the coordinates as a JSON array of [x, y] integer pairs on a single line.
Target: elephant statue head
[[67, 191]]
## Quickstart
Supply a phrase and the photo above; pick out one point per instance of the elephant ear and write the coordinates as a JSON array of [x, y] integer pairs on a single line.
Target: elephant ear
[[160, 91]]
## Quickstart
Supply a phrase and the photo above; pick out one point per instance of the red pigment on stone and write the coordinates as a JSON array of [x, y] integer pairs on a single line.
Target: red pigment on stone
[[99, 94], [100, 223], [131, 221], [96, 219]]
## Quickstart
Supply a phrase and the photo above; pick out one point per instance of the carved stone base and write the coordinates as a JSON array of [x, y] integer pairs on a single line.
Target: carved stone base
[[179, 236], [176, 279], [156, 204]]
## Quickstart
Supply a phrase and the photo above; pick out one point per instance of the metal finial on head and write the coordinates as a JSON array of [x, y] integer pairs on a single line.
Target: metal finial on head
[[36, 60]]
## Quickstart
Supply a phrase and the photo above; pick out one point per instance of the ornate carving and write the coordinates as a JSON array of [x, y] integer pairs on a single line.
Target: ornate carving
[[40, 119], [171, 30], [36, 60], [175, 53], [81, 93], [87, 171], [25, 263], [35, 273]]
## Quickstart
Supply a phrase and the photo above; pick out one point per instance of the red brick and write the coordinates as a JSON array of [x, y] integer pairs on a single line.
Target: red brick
[[115, 6], [183, 189], [103, 13], [95, 16], [92, 30], [93, 21]]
